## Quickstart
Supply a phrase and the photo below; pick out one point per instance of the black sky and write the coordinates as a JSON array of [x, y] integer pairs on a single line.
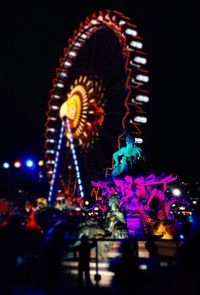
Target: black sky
[[33, 36]]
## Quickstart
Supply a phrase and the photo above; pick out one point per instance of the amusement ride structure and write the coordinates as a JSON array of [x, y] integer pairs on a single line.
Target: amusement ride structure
[[100, 89], [94, 126]]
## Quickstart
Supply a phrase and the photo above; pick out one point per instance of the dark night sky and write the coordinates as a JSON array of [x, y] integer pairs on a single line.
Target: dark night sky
[[32, 40]]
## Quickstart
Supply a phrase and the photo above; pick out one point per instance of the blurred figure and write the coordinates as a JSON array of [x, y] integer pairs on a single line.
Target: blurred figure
[[183, 277], [52, 270], [11, 252], [126, 268], [29, 218], [84, 250], [153, 251], [188, 262]]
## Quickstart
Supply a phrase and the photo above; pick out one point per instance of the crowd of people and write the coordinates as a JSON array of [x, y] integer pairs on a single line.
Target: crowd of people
[[32, 250]]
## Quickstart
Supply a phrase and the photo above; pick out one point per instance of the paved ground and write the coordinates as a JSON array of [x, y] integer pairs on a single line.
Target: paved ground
[[151, 279], [155, 276]]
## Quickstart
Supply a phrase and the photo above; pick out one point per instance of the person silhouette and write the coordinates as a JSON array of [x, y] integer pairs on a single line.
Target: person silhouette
[[84, 250], [152, 247], [125, 267], [55, 246], [12, 251]]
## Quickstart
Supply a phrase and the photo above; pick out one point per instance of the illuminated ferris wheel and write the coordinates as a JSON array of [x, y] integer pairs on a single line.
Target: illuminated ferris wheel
[[99, 91]]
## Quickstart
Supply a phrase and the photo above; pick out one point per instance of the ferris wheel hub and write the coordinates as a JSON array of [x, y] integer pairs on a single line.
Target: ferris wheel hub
[[71, 109]]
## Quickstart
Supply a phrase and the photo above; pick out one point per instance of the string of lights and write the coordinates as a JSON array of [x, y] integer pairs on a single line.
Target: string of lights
[[30, 163], [54, 171], [72, 147]]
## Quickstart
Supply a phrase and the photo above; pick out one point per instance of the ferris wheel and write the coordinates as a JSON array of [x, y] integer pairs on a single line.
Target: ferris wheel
[[100, 90]]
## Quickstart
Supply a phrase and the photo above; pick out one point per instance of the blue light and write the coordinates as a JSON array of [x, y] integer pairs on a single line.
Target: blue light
[[29, 163], [6, 165], [72, 147], [57, 153]]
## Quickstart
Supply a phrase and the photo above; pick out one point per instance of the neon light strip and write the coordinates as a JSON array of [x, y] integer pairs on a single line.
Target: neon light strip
[[75, 159], [56, 161]]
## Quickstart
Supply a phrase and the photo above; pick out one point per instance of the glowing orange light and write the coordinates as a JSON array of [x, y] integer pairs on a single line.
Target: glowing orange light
[[83, 112]]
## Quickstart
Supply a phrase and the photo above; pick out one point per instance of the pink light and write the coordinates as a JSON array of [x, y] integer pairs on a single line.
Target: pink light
[[17, 164]]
